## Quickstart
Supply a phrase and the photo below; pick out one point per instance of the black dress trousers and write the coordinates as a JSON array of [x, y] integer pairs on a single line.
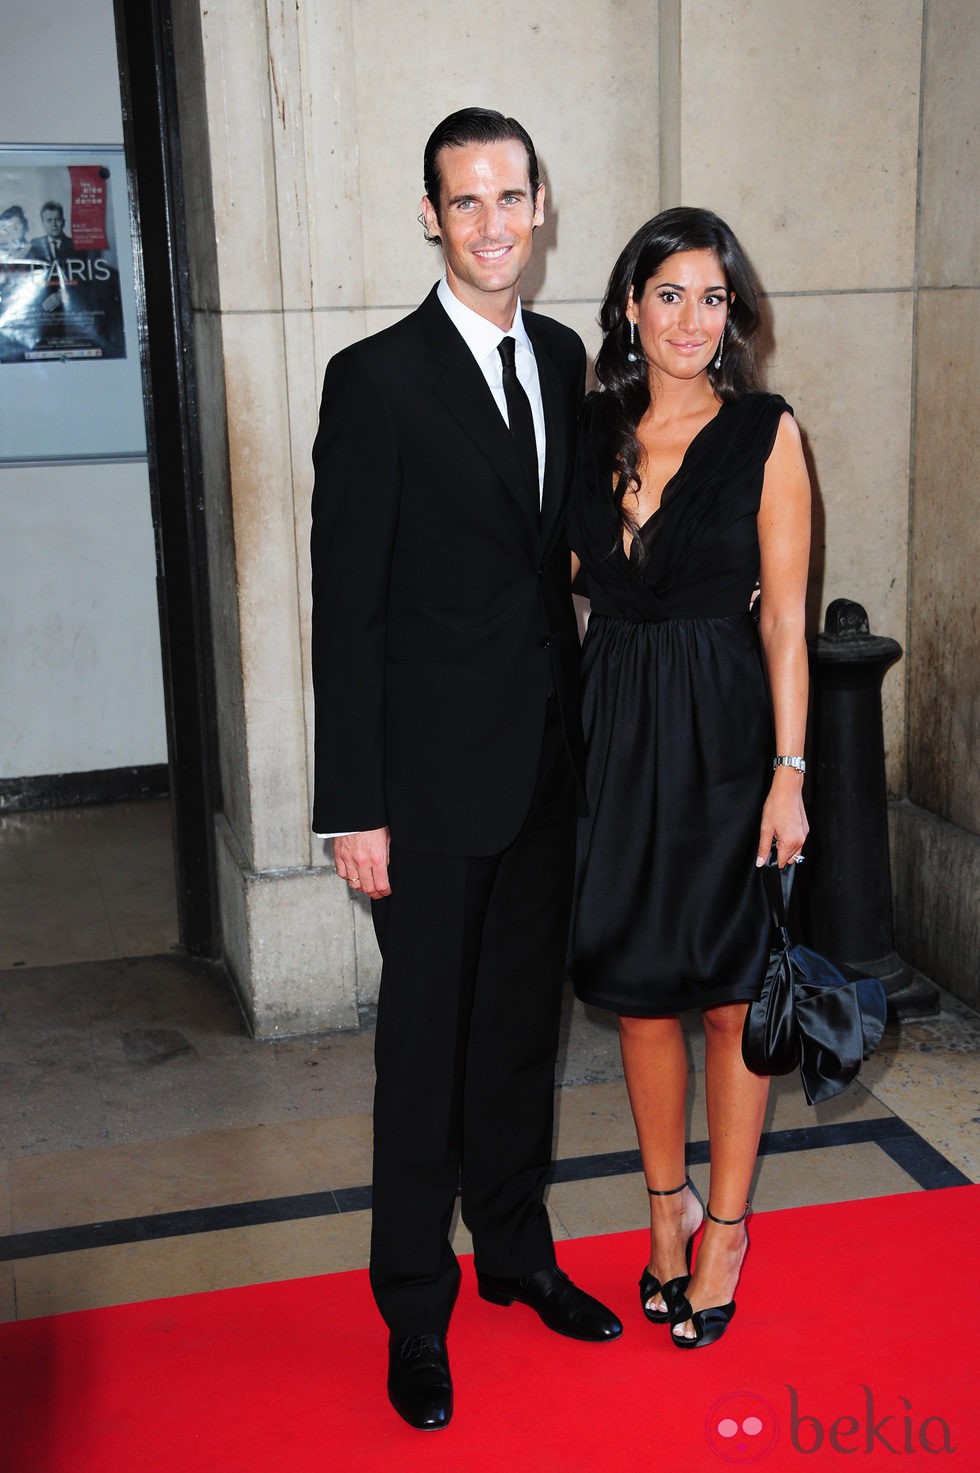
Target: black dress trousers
[[468, 1015]]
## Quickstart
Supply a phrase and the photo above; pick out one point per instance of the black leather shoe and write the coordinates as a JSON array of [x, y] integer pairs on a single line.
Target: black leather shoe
[[420, 1387], [553, 1296]]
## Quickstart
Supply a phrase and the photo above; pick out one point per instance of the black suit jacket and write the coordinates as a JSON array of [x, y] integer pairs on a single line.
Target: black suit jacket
[[40, 248], [442, 614]]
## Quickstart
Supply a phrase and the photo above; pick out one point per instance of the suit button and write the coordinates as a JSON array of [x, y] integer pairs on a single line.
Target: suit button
[[544, 642]]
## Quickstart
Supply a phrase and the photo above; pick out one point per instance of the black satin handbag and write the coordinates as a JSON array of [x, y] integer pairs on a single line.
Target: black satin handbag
[[812, 1013]]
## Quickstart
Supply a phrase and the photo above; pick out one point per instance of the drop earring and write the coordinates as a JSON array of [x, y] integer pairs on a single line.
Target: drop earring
[[632, 356], [721, 341]]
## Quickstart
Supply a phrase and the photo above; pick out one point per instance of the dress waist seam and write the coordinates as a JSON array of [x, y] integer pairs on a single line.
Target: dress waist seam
[[675, 619]]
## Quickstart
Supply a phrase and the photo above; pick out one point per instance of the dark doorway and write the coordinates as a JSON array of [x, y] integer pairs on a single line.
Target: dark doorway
[[152, 145]]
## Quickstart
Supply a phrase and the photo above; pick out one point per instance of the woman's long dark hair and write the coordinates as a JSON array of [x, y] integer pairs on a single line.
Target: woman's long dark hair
[[627, 386]]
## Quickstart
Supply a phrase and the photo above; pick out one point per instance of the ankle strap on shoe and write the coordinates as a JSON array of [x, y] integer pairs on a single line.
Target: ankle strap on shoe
[[728, 1221], [672, 1191]]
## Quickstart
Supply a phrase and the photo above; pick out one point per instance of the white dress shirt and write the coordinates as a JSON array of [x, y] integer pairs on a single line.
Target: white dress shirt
[[483, 338]]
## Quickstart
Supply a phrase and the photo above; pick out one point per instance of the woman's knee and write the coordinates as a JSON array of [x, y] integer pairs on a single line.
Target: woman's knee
[[725, 1022]]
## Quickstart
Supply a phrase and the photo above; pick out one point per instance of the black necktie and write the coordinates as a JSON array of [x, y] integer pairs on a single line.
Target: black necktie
[[521, 420]]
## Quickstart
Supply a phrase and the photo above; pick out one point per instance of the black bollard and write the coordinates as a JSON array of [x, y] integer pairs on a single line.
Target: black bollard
[[846, 900]]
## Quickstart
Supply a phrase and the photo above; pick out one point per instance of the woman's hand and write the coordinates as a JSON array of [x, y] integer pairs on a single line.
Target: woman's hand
[[784, 820]]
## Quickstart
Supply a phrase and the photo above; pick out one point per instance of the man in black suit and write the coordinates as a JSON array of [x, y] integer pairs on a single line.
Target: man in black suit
[[448, 746], [54, 245], [65, 279]]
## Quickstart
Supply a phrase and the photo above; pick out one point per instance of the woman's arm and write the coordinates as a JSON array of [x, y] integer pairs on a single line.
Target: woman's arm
[[784, 549]]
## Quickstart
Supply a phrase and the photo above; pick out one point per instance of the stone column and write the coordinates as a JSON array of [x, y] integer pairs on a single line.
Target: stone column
[[303, 127], [289, 928], [937, 830]]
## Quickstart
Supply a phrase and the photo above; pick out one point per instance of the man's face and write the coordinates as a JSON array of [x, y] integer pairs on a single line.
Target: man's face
[[54, 223], [486, 220]]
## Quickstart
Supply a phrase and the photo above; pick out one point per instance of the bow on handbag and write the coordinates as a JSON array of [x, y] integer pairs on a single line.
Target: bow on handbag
[[824, 1017]]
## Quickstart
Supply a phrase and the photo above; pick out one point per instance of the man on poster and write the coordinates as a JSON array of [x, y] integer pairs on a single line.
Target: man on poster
[[448, 747], [54, 244]]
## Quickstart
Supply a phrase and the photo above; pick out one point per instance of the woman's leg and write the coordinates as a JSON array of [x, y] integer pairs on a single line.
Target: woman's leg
[[736, 1105], [655, 1065]]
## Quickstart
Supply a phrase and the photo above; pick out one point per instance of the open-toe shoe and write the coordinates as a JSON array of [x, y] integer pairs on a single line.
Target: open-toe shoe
[[673, 1289], [710, 1323]]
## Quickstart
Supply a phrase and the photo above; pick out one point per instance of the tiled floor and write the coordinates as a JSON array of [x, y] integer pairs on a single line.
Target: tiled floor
[[149, 1147], [81, 884]]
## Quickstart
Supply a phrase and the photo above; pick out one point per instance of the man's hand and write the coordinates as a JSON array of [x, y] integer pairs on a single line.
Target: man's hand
[[362, 860]]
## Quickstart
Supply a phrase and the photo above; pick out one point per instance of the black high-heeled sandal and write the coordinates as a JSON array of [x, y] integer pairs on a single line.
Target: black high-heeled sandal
[[673, 1288], [711, 1323]]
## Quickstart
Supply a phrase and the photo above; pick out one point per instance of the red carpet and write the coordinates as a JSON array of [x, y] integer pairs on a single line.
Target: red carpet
[[852, 1347]]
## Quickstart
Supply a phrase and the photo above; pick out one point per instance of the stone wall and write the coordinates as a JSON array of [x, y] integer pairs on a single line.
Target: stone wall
[[303, 127], [936, 843]]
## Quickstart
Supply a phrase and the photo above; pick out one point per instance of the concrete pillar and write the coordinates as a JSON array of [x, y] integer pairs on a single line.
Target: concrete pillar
[[303, 127], [936, 832], [289, 929]]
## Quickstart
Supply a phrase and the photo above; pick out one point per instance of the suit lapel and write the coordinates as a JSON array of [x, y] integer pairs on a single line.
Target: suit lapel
[[556, 431], [464, 392]]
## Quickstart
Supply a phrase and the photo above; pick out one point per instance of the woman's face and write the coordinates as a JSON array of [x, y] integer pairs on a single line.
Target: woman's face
[[13, 237], [682, 314]]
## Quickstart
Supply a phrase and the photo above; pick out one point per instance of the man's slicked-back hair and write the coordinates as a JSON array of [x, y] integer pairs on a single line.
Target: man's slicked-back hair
[[472, 125]]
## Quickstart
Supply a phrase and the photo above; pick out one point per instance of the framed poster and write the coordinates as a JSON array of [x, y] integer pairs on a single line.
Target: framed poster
[[70, 383]]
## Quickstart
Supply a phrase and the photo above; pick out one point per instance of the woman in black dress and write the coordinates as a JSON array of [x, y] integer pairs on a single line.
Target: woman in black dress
[[691, 487]]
